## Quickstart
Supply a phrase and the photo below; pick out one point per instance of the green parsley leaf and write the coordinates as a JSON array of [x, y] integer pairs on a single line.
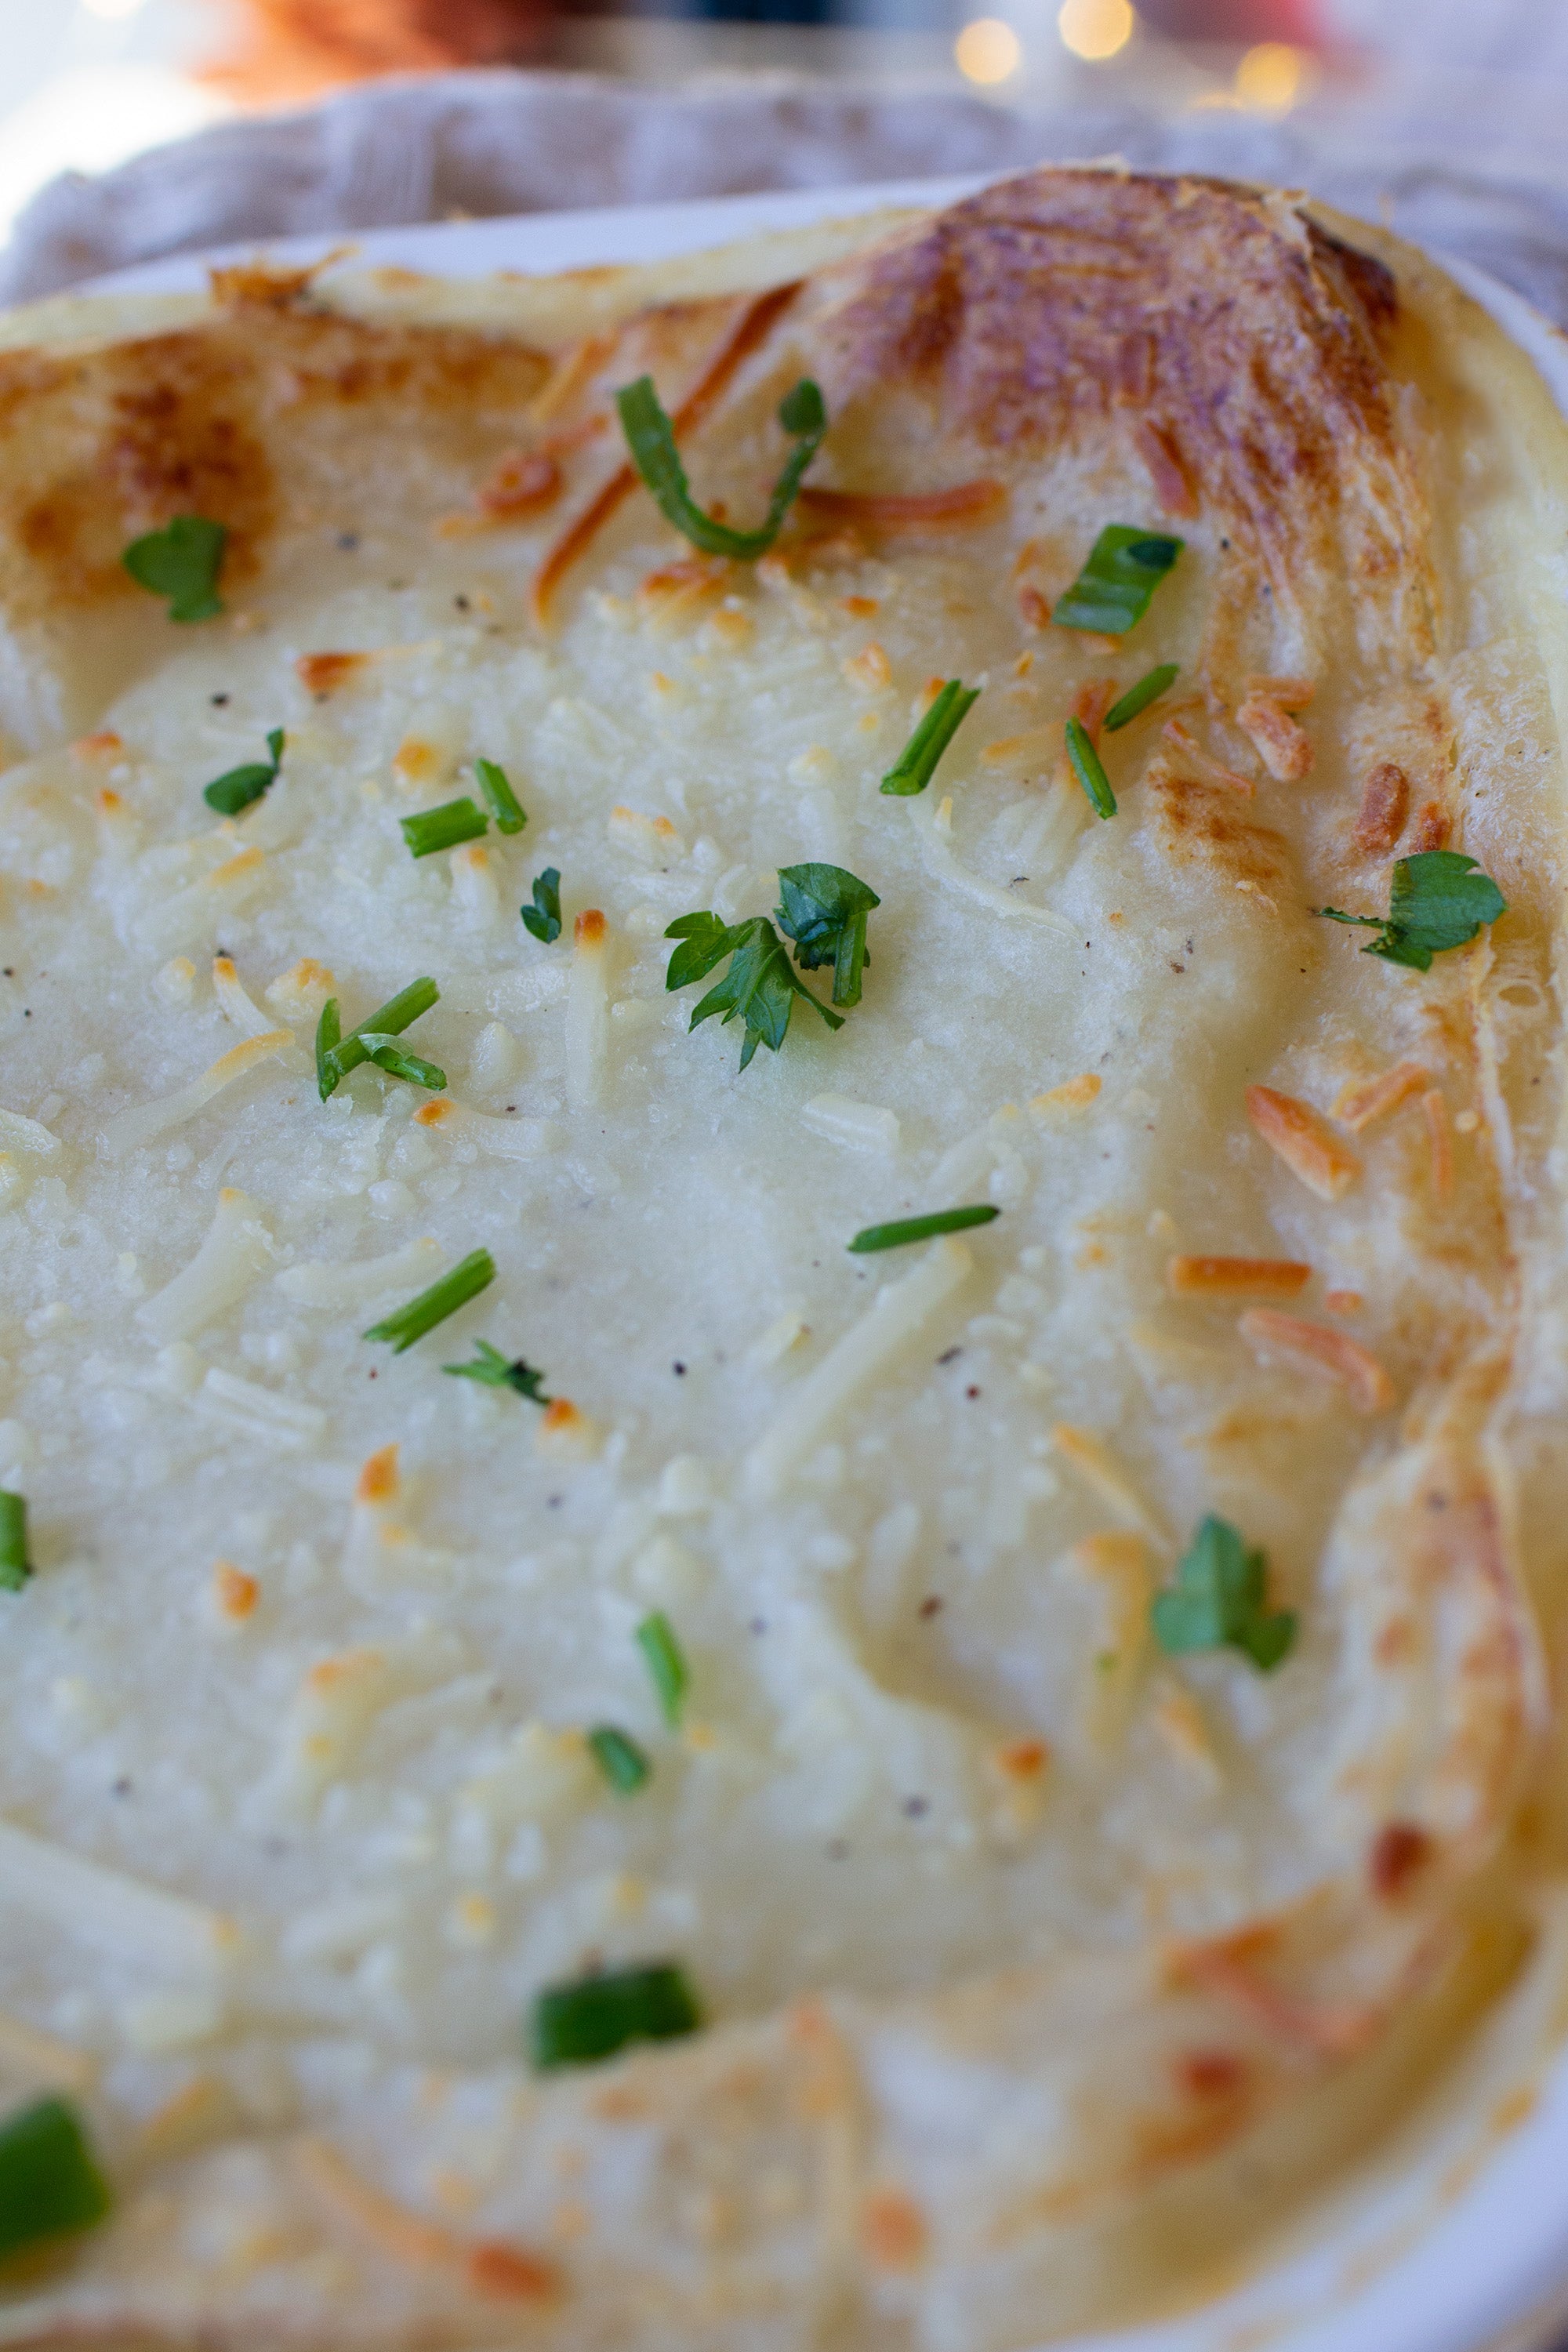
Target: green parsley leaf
[[467, 1278], [183, 563], [916, 764], [622, 1762], [823, 912], [49, 2181], [1137, 699], [1438, 900], [336, 1054], [237, 787], [14, 1566], [666, 1664], [1217, 1600], [650, 437], [1086, 768], [759, 988], [905, 1230], [499, 798], [1111, 592], [543, 918], [499, 1371], [578, 2024], [444, 827]]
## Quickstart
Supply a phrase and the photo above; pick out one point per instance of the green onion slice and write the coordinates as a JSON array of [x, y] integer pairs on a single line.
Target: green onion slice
[[666, 1664], [905, 1230], [14, 1566], [499, 798], [650, 437], [1087, 767], [181, 562], [444, 827], [237, 787], [1111, 592], [336, 1054], [622, 1762], [389, 1056], [1138, 697], [49, 2181], [467, 1278], [916, 764], [578, 2024]]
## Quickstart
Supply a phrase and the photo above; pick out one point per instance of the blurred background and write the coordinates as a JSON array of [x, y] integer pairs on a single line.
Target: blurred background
[[1477, 88]]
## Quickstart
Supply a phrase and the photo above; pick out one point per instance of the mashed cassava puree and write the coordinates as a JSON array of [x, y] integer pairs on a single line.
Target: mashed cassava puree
[[601, 1749]]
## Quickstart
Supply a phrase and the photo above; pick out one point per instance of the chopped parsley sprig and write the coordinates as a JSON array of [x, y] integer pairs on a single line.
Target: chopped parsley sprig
[[543, 918], [467, 1279], [578, 2024], [181, 562], [14, 1566], [1438, 900], [1137, 699], [237, 787], [1111, 592], [500, 799], [623, 1763], [1218, 1601], [498, 1371], [373, 1040], [916, 764], [443, 828], [759, 989], [49, 2181], [823, 912], [904, 1230], [1088, 768], [650, 437]]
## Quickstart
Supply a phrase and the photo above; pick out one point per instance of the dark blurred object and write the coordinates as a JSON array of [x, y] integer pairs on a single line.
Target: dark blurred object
[[293, 49]]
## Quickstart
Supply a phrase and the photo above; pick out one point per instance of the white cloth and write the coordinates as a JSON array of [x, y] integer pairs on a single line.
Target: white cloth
[[1441, 164]]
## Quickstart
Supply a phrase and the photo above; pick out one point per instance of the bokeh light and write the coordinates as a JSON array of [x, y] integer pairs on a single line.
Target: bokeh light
[[1095, 28], [987, 50], [1269, 78]]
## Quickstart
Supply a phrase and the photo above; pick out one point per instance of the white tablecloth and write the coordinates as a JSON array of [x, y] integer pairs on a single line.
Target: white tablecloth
[[1451, 162]]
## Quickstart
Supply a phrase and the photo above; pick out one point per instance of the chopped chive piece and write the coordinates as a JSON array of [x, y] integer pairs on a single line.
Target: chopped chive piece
[[1436, 899], [388, 1055], [467, 1278], [499, 798], [1218, 1601], [578, 2024], [14, 1566], [916, 764], [443, 827], [823, 912], [1138, 697], [183, 563], [650, 437], [1111, 592], [621, 1761], [237, 787], [1086, 768], [666, 1664], [499, 1371], [49, 2183], [336, 1054], [543, 918], [759, 988], [921, 1229]]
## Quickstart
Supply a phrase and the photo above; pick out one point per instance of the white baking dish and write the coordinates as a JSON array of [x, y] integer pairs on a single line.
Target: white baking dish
[[1454, 2239]]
